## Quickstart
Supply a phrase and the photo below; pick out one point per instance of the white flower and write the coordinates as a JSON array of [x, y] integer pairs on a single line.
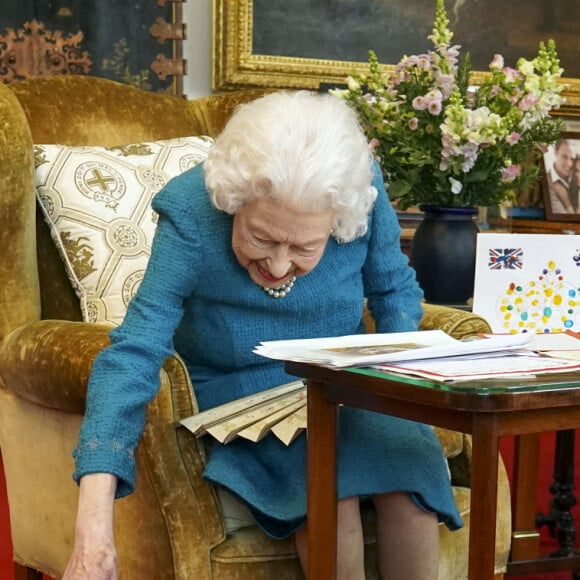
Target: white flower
[[497, 62], [456, 186], [352, 84]]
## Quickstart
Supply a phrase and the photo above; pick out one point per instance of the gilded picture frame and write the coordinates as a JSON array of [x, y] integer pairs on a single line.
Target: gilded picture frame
[[243, 28]]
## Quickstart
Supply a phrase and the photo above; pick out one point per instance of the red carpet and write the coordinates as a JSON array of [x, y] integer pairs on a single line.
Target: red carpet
[[547, 544]]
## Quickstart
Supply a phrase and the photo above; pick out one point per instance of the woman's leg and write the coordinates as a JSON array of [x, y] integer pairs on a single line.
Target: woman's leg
[[408, 539], [350, 546]]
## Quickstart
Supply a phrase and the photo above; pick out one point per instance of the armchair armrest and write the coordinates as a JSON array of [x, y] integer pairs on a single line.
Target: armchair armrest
[[457, 323], [48, 362], [44, 372]]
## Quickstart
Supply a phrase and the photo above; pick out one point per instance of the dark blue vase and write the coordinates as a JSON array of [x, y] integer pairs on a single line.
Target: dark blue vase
[[443, 253]]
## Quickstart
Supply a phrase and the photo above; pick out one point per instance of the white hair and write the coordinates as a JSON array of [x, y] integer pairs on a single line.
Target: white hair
[[299, 148]]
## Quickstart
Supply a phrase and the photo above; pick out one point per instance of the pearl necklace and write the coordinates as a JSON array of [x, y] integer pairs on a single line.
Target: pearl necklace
[[282, 290]]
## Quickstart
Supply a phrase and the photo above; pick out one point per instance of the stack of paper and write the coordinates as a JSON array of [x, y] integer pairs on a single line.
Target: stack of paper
[[565, 345], [470, 368], [544, 353], [369, 349]]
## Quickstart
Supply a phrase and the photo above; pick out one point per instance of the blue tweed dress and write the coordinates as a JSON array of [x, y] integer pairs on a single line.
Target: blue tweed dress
[[196, 299]]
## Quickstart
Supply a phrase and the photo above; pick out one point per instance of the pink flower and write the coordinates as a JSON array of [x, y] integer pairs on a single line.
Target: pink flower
[[528, 102], [433, 100], [515, 97], [513, 138], [511, 74], [434, 107], [419, 103], [510, 173], [413, 123]]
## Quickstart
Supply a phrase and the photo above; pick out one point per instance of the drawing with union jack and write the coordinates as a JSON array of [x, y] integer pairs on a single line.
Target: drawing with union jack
[[505, 259]]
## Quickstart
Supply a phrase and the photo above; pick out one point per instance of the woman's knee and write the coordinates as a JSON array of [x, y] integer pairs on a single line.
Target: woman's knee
[[396, 503], [392, 500]]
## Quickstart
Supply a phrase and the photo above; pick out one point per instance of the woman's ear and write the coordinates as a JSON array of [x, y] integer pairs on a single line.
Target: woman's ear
[[262, 186]]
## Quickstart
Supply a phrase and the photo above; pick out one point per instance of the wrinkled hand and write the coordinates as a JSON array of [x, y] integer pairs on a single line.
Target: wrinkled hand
[[97, 561], [94, 556]]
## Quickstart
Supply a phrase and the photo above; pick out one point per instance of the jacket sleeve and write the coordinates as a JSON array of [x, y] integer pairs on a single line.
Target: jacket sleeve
[[125, 375], [393, 295]]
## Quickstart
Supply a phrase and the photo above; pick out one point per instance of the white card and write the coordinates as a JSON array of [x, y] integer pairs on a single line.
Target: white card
[[528, 282]]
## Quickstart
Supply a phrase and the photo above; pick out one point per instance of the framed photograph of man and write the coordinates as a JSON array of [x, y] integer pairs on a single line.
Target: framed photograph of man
[[561, 179]]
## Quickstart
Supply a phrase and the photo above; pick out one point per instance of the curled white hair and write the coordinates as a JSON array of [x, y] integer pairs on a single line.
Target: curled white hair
[[299, 148]]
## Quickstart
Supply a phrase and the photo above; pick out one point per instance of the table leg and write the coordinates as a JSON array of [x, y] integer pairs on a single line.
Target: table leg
[[322, 463], [484, 469], [560, 520], [525, 538]]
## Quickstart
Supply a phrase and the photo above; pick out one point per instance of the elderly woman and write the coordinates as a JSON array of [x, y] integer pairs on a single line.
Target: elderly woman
[[280, 234]]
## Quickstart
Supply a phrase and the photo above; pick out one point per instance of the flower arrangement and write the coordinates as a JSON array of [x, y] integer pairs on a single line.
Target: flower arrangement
[[440, 140]]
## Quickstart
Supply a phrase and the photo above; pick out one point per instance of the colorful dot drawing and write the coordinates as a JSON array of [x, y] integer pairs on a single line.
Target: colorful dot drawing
[[548, 304]]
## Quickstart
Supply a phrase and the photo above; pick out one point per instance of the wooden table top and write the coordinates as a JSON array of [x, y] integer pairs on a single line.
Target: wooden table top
[[556, 390]]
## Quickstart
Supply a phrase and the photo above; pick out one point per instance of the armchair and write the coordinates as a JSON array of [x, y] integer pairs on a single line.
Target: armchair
[[172, 527]]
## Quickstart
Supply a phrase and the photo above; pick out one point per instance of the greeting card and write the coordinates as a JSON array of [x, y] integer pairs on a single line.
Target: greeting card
[[528, 282]]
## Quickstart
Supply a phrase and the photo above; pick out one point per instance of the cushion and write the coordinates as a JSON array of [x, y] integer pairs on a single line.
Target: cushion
[[235, 514], [97, 203]]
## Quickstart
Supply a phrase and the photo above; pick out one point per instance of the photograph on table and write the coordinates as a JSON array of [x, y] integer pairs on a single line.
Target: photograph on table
[[561, 179], [528, 282]]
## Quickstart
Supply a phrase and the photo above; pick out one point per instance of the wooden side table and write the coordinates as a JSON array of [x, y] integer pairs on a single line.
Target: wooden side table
[[487, 410]]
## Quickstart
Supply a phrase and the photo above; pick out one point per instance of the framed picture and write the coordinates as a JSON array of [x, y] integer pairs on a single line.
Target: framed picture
[[303, 43], [561, 179]]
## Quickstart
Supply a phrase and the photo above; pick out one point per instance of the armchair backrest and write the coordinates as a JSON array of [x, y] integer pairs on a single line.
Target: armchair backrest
[[73, 110], [19, 289]]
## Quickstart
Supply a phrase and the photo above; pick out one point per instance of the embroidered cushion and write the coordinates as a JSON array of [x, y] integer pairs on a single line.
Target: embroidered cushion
[[97, 203]]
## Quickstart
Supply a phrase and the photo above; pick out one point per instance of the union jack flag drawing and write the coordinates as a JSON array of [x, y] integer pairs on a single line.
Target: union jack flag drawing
[[505, 258]]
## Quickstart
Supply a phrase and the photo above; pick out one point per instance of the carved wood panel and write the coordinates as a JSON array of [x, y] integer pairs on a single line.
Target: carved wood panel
[[137, 42]]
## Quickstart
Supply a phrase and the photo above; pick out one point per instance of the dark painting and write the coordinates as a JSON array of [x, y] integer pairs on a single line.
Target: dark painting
[[344, 30]]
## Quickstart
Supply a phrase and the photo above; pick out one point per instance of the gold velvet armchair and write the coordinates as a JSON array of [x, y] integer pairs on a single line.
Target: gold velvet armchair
[[172, 526]]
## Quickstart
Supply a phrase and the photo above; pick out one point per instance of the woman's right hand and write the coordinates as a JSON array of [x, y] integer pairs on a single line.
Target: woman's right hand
[[95, 561], [94, 556]]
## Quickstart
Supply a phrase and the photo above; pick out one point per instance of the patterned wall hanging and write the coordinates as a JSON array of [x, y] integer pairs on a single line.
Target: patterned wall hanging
[[137, 42]]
